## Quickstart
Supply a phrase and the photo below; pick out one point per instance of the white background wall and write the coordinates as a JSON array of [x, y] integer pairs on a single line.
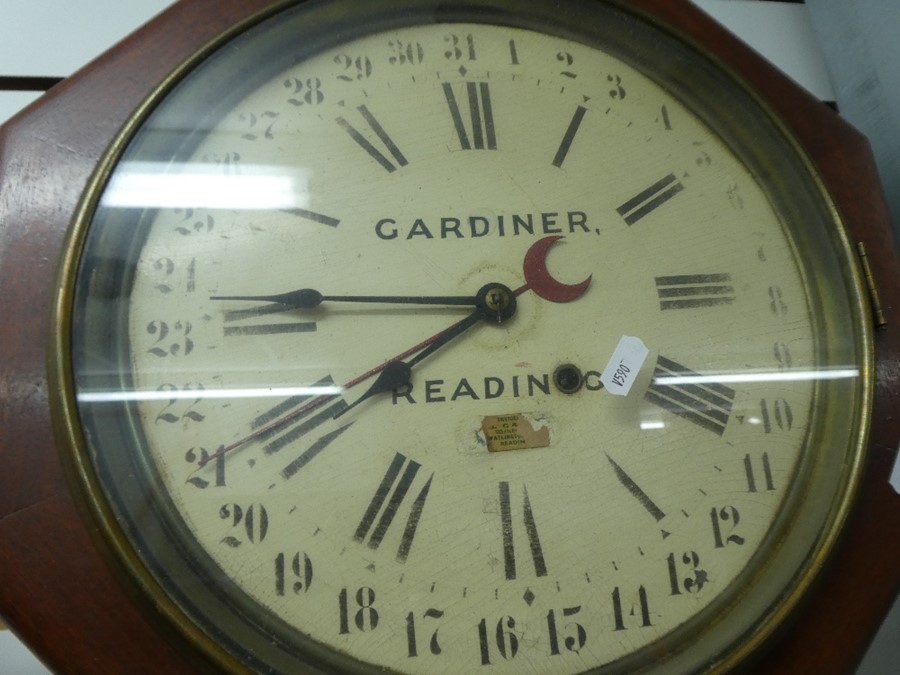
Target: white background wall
[[53, 38]]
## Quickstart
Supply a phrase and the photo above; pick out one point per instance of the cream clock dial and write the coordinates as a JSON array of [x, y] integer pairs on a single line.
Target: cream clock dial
[[461, 341]]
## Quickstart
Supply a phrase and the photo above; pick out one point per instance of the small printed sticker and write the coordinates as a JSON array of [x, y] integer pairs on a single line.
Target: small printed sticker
[[623, 367], [515, 432]]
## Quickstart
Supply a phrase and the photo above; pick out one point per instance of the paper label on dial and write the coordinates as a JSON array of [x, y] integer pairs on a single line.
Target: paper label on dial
[[624, 365], [515, 432]]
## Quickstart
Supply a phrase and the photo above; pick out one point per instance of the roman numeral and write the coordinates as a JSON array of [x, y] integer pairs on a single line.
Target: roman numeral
[[369, 147], [481, 116], [313, 450], [650, 199], [766, 483], [636, 491], [506, 528], [389, 496], [569, 136], [307, 416], [270, 329], [319, 218], [690, 395], [263, 328], [690, 291]]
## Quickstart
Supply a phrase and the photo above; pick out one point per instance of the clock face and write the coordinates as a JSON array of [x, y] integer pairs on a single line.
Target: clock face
[[443, 343]]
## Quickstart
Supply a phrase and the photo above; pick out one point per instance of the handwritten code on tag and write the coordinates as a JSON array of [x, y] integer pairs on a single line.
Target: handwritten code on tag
[[624, 365]]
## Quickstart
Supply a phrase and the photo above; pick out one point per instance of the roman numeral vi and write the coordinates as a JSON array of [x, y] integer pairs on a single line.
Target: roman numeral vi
[[506, 528]]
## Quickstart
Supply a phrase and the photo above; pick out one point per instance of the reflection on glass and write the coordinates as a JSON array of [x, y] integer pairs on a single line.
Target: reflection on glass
[[195, 394], [335, 390], [207, 185], [763, 376]]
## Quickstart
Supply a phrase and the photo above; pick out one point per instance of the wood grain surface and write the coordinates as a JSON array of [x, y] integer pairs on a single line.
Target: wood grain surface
[[57, 590]]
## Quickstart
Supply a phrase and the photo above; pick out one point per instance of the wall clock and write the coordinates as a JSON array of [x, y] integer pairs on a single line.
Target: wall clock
[[444, 337]]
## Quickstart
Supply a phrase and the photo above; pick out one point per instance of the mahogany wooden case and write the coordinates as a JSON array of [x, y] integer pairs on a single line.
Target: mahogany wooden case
[[59, 591]]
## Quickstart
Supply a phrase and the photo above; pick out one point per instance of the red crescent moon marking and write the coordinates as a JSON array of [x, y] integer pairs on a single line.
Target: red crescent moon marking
[[540, 281]]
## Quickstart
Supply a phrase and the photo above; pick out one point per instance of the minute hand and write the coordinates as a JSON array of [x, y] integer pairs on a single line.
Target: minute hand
[[494, 302]]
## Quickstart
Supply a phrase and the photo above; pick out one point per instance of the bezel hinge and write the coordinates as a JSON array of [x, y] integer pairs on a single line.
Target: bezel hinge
[[874, 297]]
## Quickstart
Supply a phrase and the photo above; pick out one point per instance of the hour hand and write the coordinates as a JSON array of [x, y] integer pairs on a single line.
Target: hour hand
[[305, 298], [309, 298], [396, 374], [495, 303]]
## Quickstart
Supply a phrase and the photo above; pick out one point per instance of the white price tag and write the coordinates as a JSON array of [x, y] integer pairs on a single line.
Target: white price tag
[[623, 367]]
